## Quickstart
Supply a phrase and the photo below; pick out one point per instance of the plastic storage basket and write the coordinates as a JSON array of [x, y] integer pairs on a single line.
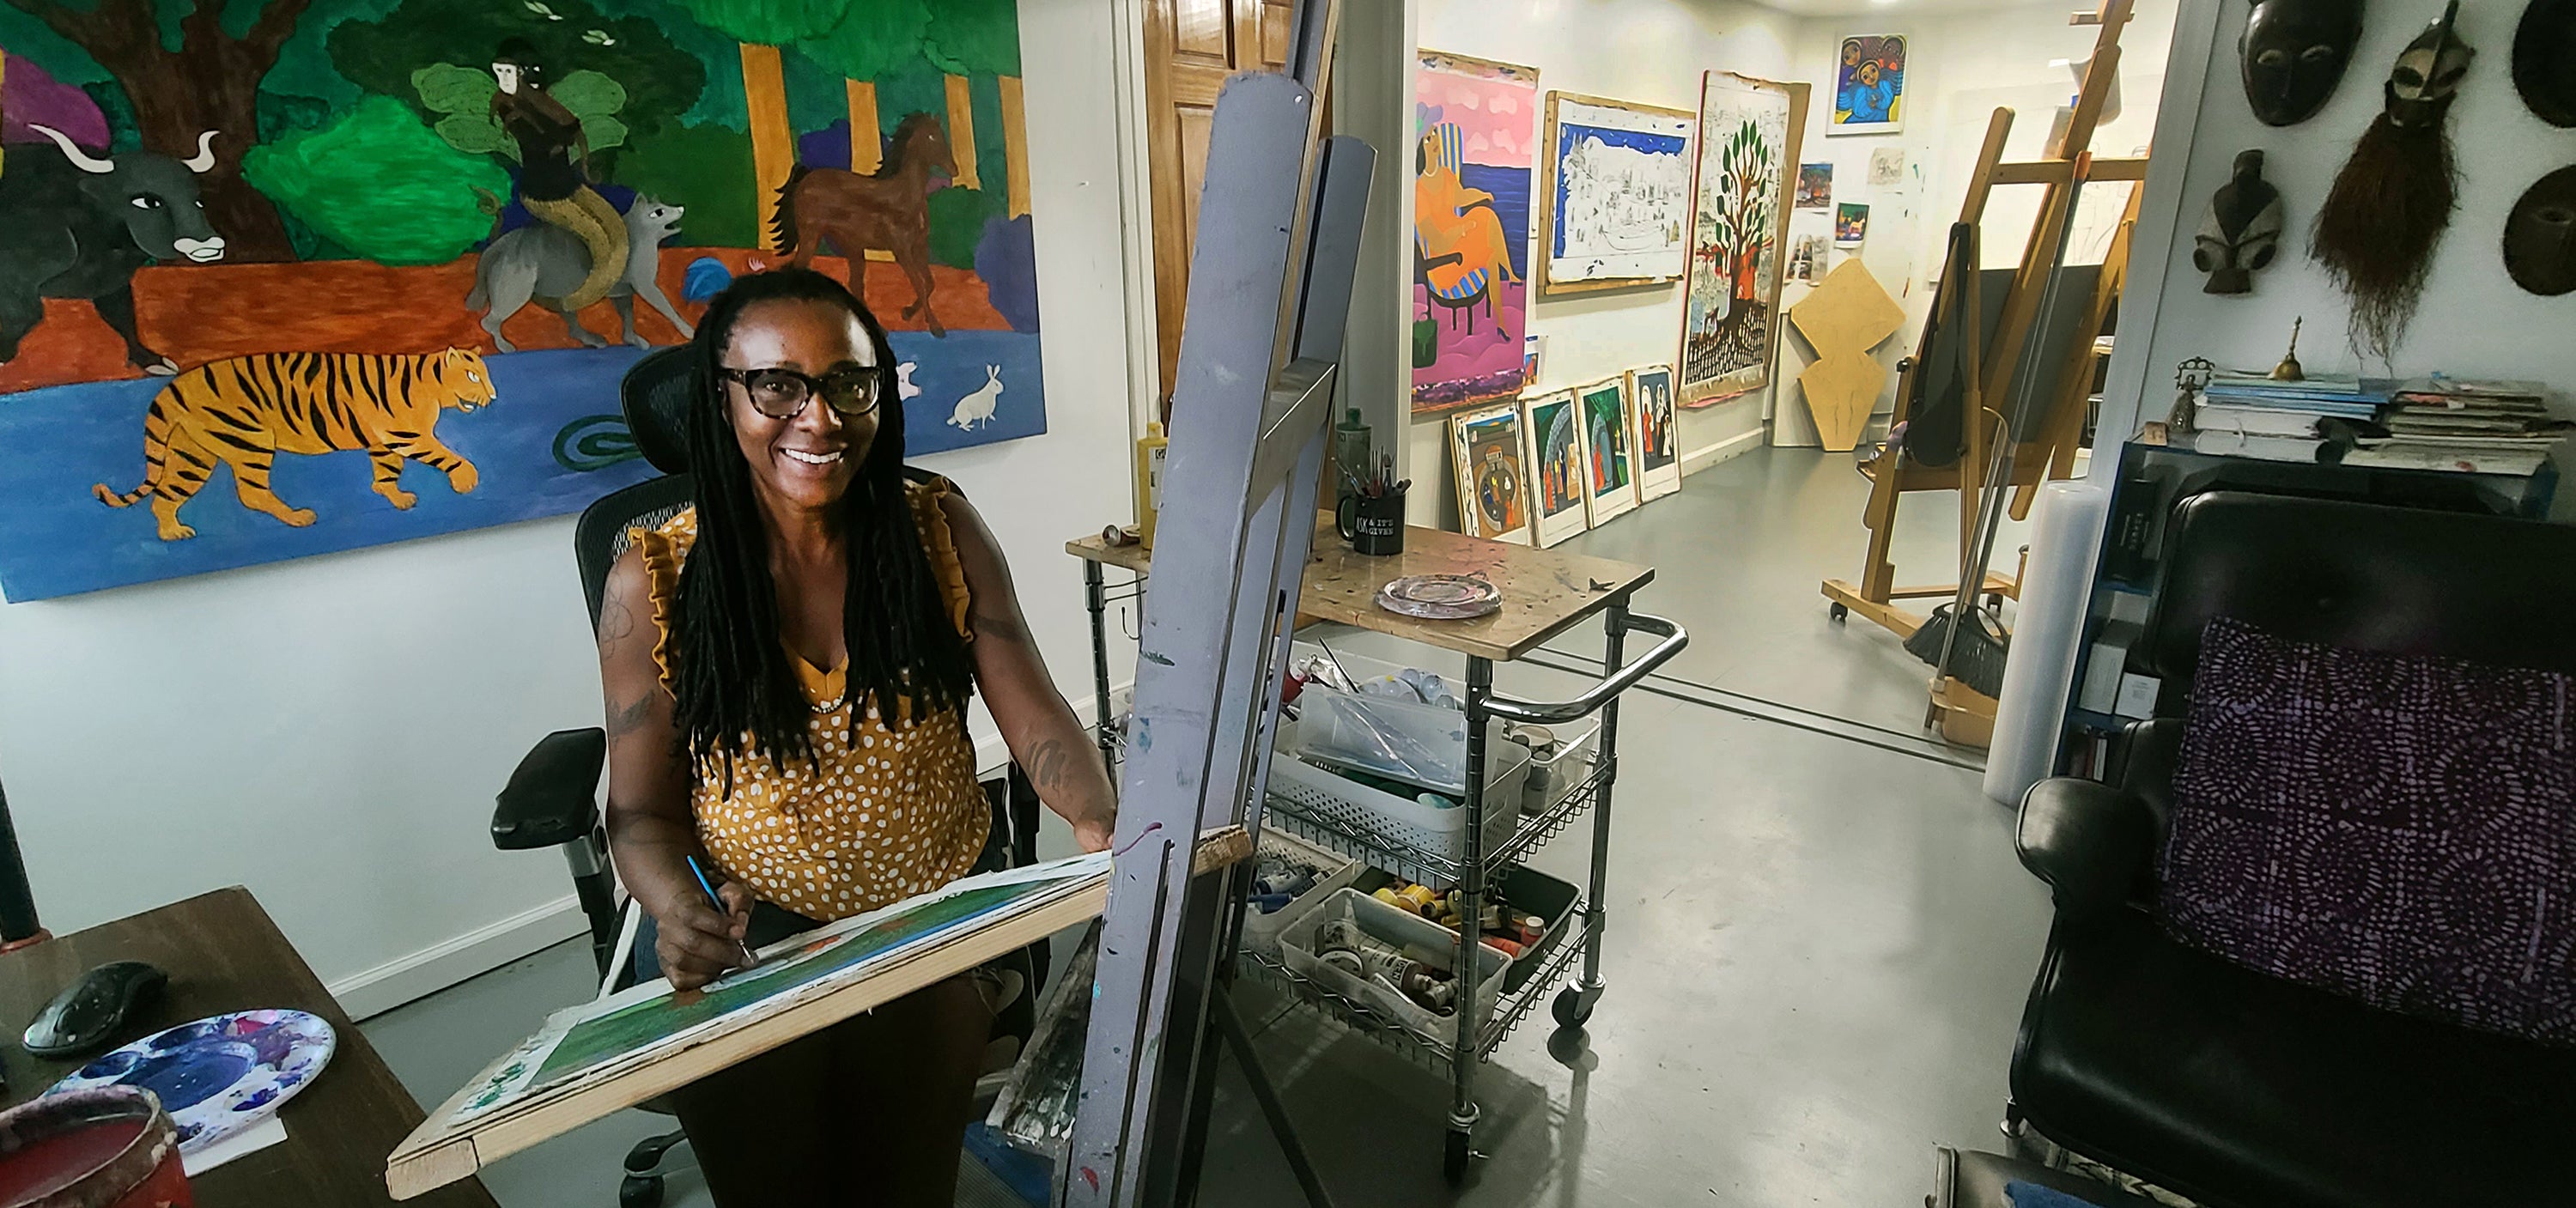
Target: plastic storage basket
[[1261, 931], [1433, 944], [1402, 821]]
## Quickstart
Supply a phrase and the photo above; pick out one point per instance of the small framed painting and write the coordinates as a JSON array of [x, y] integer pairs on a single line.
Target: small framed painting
[[1610, 457], [1488, 453], [1869, 85], [1650, 410], [1851, 224], [1554, 430], [1815, 186]]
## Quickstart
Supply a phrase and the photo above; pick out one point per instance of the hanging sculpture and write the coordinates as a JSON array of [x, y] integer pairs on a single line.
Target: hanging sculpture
[[2388, 208], [2543, 47], [2540, 235], [2242, 231], [2293, 54]]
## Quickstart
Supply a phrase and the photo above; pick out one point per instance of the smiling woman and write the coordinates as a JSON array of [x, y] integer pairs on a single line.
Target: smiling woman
[[794, 719]]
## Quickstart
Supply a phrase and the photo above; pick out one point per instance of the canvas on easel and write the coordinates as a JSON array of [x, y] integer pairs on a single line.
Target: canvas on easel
[[1556, 460], [1650, 413], [1485, 453], [1610, 456]]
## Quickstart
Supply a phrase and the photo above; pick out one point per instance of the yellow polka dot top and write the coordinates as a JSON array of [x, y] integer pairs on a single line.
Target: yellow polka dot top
[[882, 813]]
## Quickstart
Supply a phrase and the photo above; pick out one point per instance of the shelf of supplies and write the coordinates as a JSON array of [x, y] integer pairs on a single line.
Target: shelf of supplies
[[1378, 849], [1436, 1053]]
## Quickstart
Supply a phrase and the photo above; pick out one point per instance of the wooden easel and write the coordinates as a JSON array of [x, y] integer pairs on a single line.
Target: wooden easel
[[1891, 475]]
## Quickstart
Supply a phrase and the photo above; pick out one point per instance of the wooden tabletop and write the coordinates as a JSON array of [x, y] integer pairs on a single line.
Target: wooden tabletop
[[223, 954], [1544, 591]]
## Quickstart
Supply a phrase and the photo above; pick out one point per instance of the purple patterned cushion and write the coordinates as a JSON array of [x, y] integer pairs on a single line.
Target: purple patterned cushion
[[2398, 830]]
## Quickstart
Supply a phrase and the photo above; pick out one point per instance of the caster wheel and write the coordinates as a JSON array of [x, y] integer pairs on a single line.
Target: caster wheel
[[633, 1192], [1570, 1009], [1994, 602], [1453, 1161], [1837, 611]]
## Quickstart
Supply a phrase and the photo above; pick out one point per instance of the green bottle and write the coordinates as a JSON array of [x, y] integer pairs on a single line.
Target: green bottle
[[1350, 455]]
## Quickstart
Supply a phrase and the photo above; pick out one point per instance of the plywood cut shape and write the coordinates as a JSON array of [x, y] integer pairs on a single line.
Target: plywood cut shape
[[1846, 316]]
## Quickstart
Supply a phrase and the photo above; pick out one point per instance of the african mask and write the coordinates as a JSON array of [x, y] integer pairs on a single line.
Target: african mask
[[2544, 60], [2540, 235], [2377, 231], [2242, 231], [2427, 74], [2293, 53]]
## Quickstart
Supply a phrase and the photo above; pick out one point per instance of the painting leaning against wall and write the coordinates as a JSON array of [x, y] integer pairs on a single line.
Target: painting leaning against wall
[[1748, 144], [336, 273], [1476, 135]]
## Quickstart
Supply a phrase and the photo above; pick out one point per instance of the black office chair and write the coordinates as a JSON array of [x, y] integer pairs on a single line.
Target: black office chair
[[552, 797]]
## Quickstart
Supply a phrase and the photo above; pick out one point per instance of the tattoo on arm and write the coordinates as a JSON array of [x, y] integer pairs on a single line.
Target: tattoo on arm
[[623, 719], [1002, 625], [1048, 764], [616, 624]]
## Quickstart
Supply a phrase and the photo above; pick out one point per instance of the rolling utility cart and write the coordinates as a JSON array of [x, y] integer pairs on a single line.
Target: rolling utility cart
[[1544, 593]]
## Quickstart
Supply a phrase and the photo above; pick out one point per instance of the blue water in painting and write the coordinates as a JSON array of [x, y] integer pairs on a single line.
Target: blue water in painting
[[1511, 190], [1569, 133], [57, 539]]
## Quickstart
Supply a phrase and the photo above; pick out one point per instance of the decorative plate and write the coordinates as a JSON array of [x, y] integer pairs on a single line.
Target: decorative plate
[[1440, 597], [219, 1075]]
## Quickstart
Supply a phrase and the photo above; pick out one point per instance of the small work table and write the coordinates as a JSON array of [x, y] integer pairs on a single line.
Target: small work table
[[1544, 593], [224, 954]]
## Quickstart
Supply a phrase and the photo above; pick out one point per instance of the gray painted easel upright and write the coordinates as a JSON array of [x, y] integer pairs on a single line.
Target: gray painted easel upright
[[1270, 280]]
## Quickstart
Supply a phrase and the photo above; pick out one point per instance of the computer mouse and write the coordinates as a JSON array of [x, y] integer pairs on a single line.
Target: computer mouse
[[89, 1012]]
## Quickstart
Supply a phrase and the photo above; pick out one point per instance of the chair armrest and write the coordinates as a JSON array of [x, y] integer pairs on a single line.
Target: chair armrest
[[2092, 843], [551, 798]]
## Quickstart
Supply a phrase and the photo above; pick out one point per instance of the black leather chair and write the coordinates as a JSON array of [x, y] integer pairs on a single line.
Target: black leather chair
[[2237, 1089], [552, 797]]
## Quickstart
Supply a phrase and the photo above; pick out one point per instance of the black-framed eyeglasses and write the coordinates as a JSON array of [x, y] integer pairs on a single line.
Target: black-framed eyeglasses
[[781, 393]]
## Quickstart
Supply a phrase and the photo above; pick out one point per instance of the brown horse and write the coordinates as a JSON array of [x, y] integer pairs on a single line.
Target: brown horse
[[889, 211]]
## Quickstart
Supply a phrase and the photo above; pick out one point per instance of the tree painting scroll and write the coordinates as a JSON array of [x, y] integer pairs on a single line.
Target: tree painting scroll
[[1476, 132], [1748, 146], [285, 277]]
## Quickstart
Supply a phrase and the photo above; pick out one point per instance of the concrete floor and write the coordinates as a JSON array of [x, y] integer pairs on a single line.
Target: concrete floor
[[1816, 957], [1738, 555]]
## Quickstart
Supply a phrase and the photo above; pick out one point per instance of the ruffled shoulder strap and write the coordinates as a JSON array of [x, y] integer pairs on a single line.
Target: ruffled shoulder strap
[[665, 548], [941, 546]]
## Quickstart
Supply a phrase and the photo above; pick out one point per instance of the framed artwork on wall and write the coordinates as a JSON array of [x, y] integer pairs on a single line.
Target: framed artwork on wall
[[1554, 429], [1616, 207], [1746, 166], [1476, 135], [1489, 457], [1869, 85], [396, 285], [1610, 453], [1650, 410]]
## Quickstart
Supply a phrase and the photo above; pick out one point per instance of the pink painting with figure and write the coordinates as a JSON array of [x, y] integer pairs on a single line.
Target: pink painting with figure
[[1476, 138]]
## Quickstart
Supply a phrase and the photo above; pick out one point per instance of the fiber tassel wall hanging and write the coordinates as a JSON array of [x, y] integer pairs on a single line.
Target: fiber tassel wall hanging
[[2389, 206]]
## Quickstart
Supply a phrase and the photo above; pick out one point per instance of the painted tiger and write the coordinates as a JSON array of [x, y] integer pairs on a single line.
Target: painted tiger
[[243, 411]]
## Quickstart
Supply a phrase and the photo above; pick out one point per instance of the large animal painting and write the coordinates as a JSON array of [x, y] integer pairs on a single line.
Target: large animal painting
[[1476, 129], [285, 277], [1748, 140]]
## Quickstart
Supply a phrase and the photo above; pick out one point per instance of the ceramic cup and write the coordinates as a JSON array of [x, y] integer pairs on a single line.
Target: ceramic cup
[[1373, 524], [112, 1147]]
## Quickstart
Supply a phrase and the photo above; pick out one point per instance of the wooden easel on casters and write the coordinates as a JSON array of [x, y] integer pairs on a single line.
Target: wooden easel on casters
[[1891, 473]]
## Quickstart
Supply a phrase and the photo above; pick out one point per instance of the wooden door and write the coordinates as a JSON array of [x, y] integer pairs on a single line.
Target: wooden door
[[1191, 46]]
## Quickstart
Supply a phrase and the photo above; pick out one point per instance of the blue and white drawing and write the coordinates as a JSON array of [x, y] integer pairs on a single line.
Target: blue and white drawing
[[1619, 193]]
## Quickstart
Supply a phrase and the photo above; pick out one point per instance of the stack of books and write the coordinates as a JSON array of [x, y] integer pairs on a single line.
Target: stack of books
[[2250, 415], [2443, 423]]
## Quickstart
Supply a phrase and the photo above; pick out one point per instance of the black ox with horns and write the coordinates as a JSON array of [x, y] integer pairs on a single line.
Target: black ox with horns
[[77, 225]]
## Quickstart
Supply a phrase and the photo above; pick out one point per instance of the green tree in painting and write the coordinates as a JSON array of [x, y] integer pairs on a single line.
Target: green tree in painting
[[657, 79], [381, 184], [976, 37], [462, 97], [875, 38], [762, 26], [1748, 176], [703, 169]]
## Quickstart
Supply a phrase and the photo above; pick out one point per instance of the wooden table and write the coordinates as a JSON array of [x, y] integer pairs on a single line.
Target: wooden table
[[224, 954], [1545, 592]]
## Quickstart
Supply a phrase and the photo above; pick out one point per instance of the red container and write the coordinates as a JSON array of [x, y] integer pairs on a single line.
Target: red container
[[107, 1148]]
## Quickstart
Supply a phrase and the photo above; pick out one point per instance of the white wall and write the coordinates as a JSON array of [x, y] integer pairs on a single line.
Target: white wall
[[1651, 51], [330, 731], [1960, 68], [2474, 321]]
